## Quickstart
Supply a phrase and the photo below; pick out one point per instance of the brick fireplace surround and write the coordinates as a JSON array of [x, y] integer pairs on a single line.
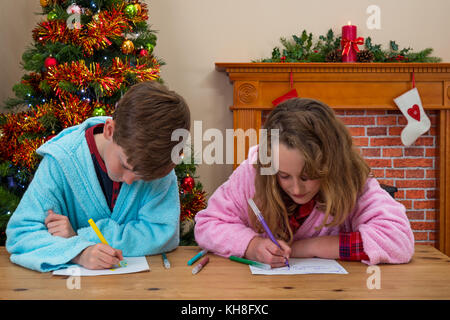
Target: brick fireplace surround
[[362, 96]]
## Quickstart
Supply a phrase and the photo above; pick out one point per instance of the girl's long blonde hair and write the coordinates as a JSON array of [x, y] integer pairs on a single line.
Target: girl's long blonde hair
[[311, 127]]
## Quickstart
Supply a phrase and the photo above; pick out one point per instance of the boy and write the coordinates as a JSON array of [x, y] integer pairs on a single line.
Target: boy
[[117, 171]]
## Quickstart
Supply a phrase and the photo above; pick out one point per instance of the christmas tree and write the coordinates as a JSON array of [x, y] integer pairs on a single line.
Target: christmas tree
[[85, 55]]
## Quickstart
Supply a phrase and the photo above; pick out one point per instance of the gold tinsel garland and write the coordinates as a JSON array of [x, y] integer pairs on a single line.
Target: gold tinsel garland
[[93, 36], [111, 80], [21, 151]]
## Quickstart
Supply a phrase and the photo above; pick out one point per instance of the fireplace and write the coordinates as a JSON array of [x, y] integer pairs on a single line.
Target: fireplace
[[362, 96]]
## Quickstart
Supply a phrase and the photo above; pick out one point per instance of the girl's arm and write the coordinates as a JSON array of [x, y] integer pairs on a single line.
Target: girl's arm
[[326, 247], [377, 231], [345, 246], [384, 227]]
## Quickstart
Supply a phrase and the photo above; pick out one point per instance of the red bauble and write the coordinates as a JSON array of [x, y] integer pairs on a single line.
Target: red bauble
[[188, 184], [143, 52], [50, 62]]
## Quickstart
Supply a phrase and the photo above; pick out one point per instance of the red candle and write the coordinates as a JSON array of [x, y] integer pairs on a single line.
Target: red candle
[[348, 34]]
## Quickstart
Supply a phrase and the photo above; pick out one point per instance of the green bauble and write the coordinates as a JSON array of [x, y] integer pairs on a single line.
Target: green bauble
[[149, 47], [99, 112], [52, 15], [131, 10]]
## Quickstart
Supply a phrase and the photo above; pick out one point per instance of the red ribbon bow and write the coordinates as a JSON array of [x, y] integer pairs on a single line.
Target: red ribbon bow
[[347, 43]]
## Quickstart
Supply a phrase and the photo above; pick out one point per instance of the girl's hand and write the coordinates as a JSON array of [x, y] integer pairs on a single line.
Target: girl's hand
[[265, 251], [59, 225], [99, 256]]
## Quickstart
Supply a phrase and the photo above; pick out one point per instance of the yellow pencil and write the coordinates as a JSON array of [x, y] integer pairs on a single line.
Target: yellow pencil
[[97, 231], [103, 240]]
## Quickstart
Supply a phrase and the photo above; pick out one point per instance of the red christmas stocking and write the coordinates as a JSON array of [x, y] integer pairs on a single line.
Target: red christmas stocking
[[291, 94]]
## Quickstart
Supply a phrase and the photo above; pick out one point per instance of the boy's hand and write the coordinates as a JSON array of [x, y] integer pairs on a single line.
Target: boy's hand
[[59, 225], [99, 256], [265, 251]]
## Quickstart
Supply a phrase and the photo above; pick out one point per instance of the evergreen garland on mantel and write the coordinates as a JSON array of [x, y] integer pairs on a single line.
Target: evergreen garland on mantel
[[327, 48]]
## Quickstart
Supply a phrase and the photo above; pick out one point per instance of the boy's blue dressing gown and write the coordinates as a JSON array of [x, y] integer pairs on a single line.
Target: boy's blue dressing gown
[[145, 219]]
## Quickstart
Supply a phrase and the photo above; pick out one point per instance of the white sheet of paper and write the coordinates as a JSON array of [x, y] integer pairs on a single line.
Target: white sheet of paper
[[134, 264], [304, 266]]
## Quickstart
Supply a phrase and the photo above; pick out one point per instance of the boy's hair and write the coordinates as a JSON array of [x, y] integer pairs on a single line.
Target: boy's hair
[[145, 118], [311, 127]]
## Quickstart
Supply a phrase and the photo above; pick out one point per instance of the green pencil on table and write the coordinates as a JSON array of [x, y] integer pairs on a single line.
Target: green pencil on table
[[251, 263]]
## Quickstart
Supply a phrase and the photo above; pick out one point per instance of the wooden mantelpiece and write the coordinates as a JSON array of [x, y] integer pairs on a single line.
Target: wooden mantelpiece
[[349, 86]]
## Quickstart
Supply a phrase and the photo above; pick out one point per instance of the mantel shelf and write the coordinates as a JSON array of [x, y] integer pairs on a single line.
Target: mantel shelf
[[332, 67], [340, 85]]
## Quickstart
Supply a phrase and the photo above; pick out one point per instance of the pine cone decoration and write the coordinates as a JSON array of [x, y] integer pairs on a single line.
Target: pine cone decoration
[[364, 56], [334, 56]]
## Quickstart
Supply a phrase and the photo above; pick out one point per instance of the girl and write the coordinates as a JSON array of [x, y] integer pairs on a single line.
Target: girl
[[322, 202]]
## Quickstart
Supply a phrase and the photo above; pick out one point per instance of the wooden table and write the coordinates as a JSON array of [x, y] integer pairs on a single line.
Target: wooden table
[[427, 276]]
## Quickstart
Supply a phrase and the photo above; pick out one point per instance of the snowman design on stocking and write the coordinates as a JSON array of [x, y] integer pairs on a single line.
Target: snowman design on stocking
[[418, 122]]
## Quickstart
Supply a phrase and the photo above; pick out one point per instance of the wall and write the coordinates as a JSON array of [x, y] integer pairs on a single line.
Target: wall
[[17, 20], [195, 34]]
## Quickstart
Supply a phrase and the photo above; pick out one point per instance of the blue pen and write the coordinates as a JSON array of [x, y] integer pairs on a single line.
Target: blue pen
[[197, 256], [165, 261], [265, 226]]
